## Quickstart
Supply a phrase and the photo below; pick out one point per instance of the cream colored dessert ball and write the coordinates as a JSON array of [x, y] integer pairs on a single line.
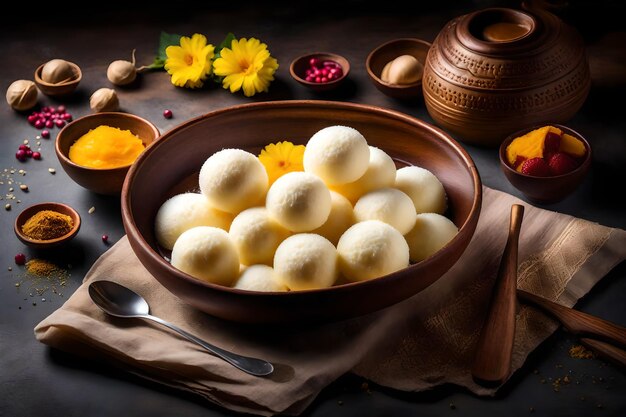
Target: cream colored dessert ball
[[337, 154], [306, 261], [388, 205], [208, 254], [371, 249], [256, 236], [341, 217], [299, 201], [431, 232], [423, 187], [381, 173], [184, 211], [259, 278], [233, 180]]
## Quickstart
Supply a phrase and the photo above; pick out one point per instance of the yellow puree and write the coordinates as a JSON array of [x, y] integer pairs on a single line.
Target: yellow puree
[[106, 147]]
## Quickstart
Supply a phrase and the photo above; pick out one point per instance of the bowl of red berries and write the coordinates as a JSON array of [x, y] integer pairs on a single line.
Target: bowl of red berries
[[546, 163], [320, 71]]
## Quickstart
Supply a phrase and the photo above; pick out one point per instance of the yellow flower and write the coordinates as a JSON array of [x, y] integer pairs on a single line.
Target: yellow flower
[[281, 158], [190, 63], [247, 64]]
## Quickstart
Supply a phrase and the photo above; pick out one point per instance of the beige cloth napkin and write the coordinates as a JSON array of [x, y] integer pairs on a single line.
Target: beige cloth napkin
[[417, 344]]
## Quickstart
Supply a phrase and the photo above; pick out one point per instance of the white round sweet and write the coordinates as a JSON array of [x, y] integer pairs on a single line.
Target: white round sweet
[[371, 249], [208, 254], [298, 201], [233, 180], [423, 187], [431, 232], [184, 211], [341, 217], [259, 278], [256, 236], [306, 261], [387, 205], [381, 173], [337, 154]]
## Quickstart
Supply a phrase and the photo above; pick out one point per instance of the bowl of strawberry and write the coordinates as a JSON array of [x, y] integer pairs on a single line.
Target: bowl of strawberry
[[546, 163]]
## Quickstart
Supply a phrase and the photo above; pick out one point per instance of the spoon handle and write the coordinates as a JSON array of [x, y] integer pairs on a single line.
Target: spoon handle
[[252, 366], [607, 351], [492, 360], [579, 323]]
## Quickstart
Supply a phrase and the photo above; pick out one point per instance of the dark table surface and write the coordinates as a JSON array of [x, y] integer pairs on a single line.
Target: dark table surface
[[36, 380]]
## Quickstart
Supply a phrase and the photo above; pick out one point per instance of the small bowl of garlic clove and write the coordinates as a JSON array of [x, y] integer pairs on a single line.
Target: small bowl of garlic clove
[[396, 67], [58, 77]]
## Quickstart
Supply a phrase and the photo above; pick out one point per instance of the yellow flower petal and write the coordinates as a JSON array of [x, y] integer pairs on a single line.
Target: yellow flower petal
[[246, 65], [190, 63], [281, 158]]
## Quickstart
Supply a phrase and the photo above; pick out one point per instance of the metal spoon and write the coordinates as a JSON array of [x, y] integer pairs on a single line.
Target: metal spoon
[[119, 301]]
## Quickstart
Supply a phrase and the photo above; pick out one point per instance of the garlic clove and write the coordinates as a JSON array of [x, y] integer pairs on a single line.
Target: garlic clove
[[104, 99], [22, 95], [122, 72], [384, 75], [405, 69], [57, 71]]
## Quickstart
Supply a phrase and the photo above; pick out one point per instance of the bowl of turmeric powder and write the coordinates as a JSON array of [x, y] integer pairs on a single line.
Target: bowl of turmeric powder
[[46, 225], [97, 150]]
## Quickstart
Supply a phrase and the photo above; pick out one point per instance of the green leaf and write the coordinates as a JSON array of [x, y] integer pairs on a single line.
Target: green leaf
[[165, 40], [226, 43]]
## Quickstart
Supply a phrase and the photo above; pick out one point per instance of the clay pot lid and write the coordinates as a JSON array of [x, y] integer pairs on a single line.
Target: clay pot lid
[[496, 31]]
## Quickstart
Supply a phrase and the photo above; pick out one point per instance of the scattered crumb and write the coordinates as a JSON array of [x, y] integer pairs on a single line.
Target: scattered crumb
[[52, 171], [91, 210]]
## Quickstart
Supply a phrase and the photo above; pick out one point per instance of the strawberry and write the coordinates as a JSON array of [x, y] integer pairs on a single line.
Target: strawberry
[[519, 159], [561, 163], [551, 144], [536, 167]]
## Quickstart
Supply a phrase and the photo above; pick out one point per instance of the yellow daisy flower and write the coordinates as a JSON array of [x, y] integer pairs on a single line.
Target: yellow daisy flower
[[246, 64], [281, 158], [190, 63]]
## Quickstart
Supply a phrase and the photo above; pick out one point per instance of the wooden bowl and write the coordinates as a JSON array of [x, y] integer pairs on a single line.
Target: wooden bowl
[[102, 181], [481, 82], [60, 89], [545, 190], [299, 66], [379, 57], [171, 166], [28, 212]]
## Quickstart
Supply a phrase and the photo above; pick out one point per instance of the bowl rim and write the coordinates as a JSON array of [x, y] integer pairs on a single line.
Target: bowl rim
[[65, 158], [505, 143], [368, 62], [27, 212], [46, 84], [132, 230], [344, 68]]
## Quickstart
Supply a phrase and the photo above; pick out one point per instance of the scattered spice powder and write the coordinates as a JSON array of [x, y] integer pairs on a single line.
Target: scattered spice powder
[[42, 275], [47, 224], [580, 352]]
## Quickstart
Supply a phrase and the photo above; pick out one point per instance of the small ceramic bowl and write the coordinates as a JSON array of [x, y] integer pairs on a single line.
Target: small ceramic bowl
[[298, 68], [388, 51], [102, 181], [60, 89], [545, 190], [28, 212]]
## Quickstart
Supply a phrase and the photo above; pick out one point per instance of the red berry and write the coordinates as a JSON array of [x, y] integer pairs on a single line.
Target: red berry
[[20, 259], [67, 117], [29, 153], [20, 155], [551, 144], [536, 167], [39, 124], [36, 155], [59, 123], [23, 147], [314, 62], [105, 238], [61, 109], [45, 134], [167, 113], [49, 124], [561, 163]]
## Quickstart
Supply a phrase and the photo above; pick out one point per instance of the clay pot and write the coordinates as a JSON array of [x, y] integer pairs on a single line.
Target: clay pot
[[498, 70]]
